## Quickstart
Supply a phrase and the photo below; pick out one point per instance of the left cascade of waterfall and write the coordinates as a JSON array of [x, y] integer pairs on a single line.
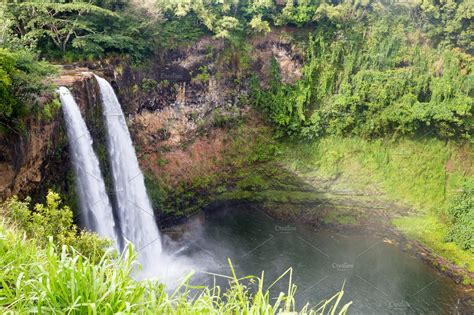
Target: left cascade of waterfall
[[96, 210]]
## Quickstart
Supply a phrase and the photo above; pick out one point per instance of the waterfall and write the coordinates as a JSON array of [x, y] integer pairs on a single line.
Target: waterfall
[[135, 214], [96, 211]]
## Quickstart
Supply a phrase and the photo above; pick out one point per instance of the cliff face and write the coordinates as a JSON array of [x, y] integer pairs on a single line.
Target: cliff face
[[173, 100], [205, 75], [23, 156], [38, 159], [32, 159]]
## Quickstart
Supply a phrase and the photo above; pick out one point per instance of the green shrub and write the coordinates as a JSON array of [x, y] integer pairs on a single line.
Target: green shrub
[[253, 182], [51, 109], [223, 119], [52, 220], [149, 85], [461, 215], [22, 81], [202, 76]]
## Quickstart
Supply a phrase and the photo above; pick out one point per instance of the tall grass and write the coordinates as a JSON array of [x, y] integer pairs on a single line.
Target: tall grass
[[62, 281]]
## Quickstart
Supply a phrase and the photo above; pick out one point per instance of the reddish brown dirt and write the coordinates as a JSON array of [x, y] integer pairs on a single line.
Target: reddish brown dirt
[[462, 160], [172, 150], [201, 158]]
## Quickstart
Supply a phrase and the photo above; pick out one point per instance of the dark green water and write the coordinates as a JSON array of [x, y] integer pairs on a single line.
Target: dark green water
[[379, 277]]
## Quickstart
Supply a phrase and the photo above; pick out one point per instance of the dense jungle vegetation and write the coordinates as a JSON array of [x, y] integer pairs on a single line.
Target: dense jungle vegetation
[[372, 70]]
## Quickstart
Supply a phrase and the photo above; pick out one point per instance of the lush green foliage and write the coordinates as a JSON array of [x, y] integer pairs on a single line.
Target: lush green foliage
[[448, 23], [373, 77], [51, 219], [461, 213], [80, 29], [61, 280], [372, 68], [22, 80], [49, 20], [97, 27]]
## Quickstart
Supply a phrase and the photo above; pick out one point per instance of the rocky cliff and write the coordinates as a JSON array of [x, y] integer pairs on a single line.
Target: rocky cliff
[[38, 159], [176, 105]]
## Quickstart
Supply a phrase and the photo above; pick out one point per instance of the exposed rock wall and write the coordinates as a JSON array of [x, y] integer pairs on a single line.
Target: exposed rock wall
[[30, 158], [38, 159], [23, 156], [173, 100], [204, 75]]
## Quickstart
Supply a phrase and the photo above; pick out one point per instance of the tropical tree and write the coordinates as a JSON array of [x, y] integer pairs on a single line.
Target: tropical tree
[[58, 22]]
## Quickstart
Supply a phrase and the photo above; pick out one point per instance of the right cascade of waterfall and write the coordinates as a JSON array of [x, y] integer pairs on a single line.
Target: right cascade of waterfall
[[96, 211], [135, 213]]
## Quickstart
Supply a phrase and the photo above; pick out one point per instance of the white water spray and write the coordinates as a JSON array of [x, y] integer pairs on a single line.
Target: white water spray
[[96, 211], [135, 214]]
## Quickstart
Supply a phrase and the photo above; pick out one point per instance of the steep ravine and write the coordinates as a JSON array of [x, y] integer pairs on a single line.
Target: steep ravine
[[200, 145]]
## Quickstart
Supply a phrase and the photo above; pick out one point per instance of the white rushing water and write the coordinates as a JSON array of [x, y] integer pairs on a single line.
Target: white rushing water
[[135, 214], [96, 211]]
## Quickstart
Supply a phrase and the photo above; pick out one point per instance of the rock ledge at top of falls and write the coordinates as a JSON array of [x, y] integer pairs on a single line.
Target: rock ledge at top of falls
[[69, 75]]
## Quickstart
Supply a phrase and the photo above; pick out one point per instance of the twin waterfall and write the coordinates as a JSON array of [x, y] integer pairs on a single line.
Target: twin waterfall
[[134, 218]]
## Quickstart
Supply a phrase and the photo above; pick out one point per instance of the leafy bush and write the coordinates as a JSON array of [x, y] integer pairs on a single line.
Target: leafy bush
[[149, 85], [461, 215], [52, 220], [448, 23], [253, 182], [51, 109], [224, 118], [22, 81], [202, 76]]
